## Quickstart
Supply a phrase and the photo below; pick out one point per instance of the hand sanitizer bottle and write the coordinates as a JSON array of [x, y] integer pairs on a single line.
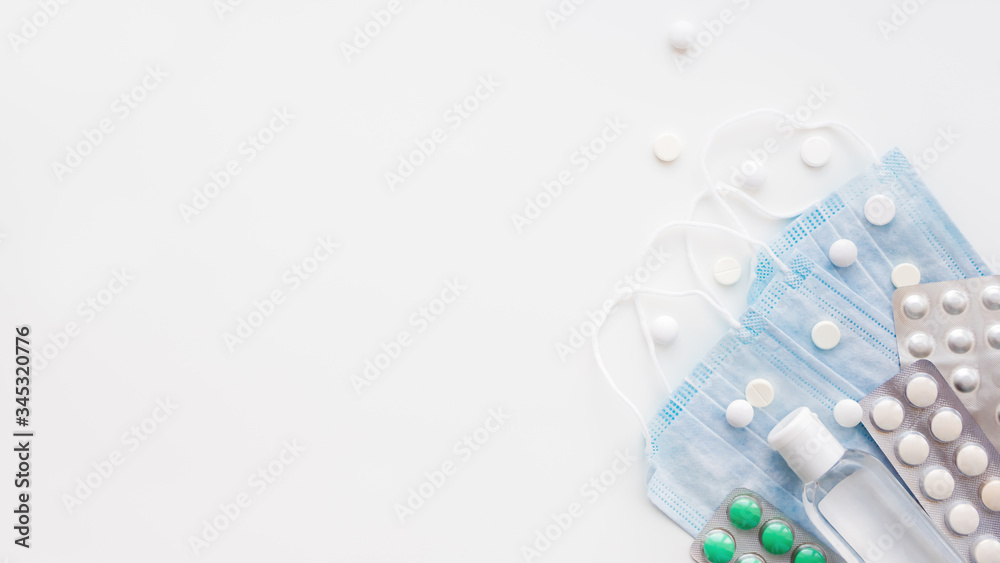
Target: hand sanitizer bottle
[[859, 507]]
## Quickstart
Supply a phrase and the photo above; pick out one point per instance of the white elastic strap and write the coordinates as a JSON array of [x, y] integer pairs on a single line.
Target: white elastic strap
[[595, 342], [714, 227]]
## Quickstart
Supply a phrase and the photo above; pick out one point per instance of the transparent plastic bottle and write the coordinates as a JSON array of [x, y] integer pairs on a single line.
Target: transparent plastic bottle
[[859, 507]]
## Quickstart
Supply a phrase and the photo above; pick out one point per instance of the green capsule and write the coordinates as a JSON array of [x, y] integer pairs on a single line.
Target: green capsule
[[744, 513], [750, 558], [719, 547], [777, 537], [809, 554]]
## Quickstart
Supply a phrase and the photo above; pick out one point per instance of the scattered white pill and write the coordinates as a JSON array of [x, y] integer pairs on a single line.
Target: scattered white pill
[[905, 274], [986, 551], [921, 391], [993, 336], [913, 449], [887, 414], [920, 345], [916, 306], [946, 425], [965, 379], [843, 253], [991, 297], [682, 35], [990, 495], [739, 413], [963, 519], [879, 210], [755, 175], [816, 151], [727, 271], [954, 302], [825, 335], [667, 148], [664, 330], [848, 413], [937, 484], [960, 340], [972, 460], [760, 393]]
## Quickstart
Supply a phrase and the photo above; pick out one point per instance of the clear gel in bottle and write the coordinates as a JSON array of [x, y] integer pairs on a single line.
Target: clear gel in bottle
[[859, 507]]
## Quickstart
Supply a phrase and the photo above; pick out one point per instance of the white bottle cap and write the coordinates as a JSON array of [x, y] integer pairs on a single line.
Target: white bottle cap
[[806, 444]]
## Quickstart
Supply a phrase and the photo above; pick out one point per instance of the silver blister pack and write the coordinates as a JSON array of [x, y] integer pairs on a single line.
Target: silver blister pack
[[748, 529], [956, 325], [942, 455]]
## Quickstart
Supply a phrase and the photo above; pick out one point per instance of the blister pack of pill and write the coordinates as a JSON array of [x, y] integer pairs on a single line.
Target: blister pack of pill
[[942, 455], [956, 325], [748, 529]]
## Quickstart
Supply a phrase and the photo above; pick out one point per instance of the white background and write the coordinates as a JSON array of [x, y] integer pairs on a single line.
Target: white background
[[495, 347]]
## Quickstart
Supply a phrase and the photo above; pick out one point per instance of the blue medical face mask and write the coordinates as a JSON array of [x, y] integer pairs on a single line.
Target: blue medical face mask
[[697, 458], [920, 233]]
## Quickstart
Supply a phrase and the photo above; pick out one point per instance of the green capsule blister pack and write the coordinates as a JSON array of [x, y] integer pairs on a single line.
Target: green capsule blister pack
[[748, 529]]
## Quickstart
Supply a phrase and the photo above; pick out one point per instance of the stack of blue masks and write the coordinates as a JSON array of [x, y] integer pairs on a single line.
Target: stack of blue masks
[[696, 457]]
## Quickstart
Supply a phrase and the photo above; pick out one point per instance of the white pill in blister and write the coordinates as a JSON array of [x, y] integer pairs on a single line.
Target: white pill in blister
[[667, 148], [879, 210], [972, 460], [887, 414], [905, 274], [960, 340], [664, 330], [760, 393], [946, 425], [739, 413], [916, 306], [727, 271], [682, 34], [991, 297], [986, 551], [963, 519], [965, 379], [993, 336], [920, 345], [921, 391], [989, 493], [954, 302], [913, 449], [848, 413], [754, 174], [825, 335], [937, 484], [816, 151], [843, 253]]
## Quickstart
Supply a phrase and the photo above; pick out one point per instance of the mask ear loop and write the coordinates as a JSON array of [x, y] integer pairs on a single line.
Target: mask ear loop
[[595, 341]]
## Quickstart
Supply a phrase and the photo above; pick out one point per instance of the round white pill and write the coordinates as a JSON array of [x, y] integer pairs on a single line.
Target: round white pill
[[963, 519], [905, 274], [843, 253], [739, 413], [727, 271], [920, 345], [755, 175], [993, 336], [664, 330], [916, 306], [825, 335], [990, 495], [937, 484], [848, 413], [682, 35], [972, 460], [760, 393], [965, 379], [991, 297], [946, 425], [986, 551], [667, 148], [913, 449], [887, 414], [921, 391], [960, 341], [954, 302], [816, 151], [879, 210]]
